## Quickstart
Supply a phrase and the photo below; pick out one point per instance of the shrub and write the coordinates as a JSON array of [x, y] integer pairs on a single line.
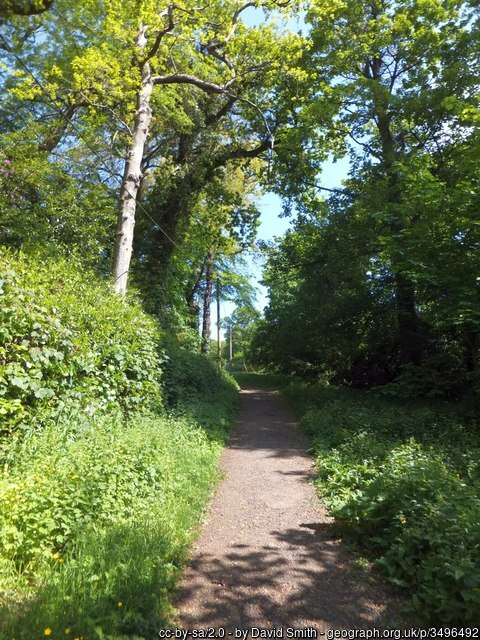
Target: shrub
[[189, 376], [67, 340], [100, 488]]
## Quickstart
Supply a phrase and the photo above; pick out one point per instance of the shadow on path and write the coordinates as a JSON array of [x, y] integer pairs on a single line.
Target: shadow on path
[[267, 556]]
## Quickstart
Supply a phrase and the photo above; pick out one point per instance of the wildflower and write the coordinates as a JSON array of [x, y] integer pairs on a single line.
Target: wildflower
[[47, 631], [61, 560], [67, 631], [120, 604], [404, 521]]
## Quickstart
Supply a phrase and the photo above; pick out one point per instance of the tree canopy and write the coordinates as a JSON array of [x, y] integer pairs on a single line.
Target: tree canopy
[[136, 137]]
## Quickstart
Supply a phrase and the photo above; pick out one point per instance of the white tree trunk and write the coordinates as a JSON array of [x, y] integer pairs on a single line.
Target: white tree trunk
[[131, 183]]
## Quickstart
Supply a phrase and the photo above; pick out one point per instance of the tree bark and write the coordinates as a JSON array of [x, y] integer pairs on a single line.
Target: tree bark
[[471, 344], [207, 299], [191, 291], [131, 181]]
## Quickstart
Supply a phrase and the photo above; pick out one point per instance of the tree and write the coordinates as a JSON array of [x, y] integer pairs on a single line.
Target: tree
[[239, 330], [391, 69], [123, 74]]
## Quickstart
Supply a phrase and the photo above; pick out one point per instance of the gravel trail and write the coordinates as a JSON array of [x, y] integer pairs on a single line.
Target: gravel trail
[[266, 557]]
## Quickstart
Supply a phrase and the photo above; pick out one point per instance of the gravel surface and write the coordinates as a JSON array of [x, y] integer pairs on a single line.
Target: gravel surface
[[266, 557]]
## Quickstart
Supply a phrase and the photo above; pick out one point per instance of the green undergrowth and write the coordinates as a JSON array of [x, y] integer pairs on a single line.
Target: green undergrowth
[[104, 481], [69, 344], [268, 381], [403, 479]]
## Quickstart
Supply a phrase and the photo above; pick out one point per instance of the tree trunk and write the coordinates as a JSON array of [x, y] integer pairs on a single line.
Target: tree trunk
[[470, 343], [219, 342], [207, 299], [192, 288], [131, 181], [409, 335], [410, 339]]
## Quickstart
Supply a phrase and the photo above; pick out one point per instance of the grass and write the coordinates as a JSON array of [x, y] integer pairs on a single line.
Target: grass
[[99, 522], [267, 381]]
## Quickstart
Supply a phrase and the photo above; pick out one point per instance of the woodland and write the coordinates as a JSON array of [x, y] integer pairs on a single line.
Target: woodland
[[135, 141]]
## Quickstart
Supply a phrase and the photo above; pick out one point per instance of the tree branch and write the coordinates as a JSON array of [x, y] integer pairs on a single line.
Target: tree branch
[[183, 78], [242, 152], [158, 40]]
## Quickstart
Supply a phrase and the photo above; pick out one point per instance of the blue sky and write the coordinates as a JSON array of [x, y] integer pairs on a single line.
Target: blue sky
[[272, 226]]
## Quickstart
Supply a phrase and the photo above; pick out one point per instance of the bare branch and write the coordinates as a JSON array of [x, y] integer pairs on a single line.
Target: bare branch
[[241, 152], [214, 47], [342, 192], [219, 45]]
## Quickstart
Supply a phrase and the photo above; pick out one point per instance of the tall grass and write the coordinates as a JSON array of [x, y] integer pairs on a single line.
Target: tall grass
[[97, 526]]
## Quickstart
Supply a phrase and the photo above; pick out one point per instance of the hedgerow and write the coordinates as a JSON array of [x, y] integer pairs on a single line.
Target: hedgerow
[[66, 340]]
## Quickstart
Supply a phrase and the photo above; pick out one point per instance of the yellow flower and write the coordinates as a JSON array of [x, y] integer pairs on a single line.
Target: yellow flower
[[120, 604], [61, 560], [404, 521], [67, 631], [47, 631]]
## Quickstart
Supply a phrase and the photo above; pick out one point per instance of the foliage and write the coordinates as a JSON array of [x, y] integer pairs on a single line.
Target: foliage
[[382, 276], [60, 345], [20, 7], [267, 381], [43, 204], [404, 481], [240, 328], [96, 520], [72, 87], [188, 377], [100, 489]]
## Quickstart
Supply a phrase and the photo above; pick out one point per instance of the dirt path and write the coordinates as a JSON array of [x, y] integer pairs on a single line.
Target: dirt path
[[265, 558]]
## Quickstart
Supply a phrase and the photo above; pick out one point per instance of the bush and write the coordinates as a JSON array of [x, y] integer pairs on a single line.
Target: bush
[[66, 340], [189, 376], [404, 481]]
